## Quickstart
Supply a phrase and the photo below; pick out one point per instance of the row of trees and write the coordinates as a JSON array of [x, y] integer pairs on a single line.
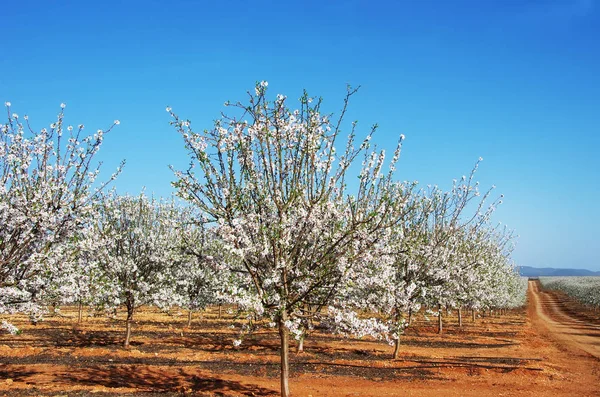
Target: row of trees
[[273, 219]]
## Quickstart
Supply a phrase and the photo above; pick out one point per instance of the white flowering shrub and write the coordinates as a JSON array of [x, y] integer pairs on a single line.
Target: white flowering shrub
[[47, 190]]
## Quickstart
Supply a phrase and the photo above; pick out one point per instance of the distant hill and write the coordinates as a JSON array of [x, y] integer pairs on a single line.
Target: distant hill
[[528, 271]]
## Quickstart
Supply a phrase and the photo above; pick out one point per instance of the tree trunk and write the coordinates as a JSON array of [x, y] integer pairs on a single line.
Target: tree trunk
[[220, 311], [130, 306], [189, 322], [284, 356], [460, 317], [397, 348], [410, 314], [440, 325], [300, 347], [80, 312], [473, 315]]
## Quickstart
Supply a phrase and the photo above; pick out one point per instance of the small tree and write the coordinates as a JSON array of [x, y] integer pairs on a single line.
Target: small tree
[[419, 263], [272, 181], [200, 264], [134, 259], [80, 280], [46, 193]]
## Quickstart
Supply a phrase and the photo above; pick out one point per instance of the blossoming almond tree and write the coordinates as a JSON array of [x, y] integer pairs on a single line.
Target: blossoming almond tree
[[482, 270], [47, 181], [272, 181], [418, 262], [134, 256], [456, 216], [81, 280], [199, 264]]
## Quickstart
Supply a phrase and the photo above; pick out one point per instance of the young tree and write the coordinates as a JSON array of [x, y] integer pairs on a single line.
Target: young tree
[[419, 262], [276, 188], [80, 280], [47, 181], [200, 264], [134, 257]]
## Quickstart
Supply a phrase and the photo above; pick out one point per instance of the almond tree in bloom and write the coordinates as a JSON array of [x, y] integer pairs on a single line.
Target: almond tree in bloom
[[134, 256], [200, 264], [47, 181], [434, 262], [271, 180], [456, 217], [483, 272], [81, 280], [419, 262]]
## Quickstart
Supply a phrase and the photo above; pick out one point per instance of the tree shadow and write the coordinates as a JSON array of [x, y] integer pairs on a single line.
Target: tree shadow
[[68, 337], [16, 374], [147, 379], [406, 373], [449, 344], [593, 333]]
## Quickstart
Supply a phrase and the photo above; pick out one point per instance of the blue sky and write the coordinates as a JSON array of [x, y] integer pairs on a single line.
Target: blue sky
[[515, 82]]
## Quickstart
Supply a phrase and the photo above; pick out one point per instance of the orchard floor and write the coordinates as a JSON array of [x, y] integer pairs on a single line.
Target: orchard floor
[[515, 354]]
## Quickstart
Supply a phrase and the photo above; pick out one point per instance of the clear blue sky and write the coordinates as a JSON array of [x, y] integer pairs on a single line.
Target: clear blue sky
[[516, 82]]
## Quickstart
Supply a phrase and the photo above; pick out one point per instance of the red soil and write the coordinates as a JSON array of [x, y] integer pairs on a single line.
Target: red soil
[[546, 349]]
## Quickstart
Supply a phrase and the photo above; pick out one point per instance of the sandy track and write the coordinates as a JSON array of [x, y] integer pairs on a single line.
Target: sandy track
[[549, 311]]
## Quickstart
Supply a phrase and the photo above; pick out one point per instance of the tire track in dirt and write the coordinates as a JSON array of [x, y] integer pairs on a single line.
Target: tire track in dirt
[[550, 312]]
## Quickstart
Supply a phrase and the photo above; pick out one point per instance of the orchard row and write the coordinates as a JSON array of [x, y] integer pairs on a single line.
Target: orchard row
[[277, 215]]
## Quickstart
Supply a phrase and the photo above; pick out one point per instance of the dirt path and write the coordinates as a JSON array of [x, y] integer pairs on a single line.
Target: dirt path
[[574, 335], [573, 332]]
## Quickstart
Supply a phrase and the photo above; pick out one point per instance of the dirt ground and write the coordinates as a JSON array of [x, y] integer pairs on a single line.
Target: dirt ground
[[550, 348]]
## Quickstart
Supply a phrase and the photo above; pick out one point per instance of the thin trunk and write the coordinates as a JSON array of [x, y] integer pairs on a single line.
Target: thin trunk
[[397, 348], [220, 311], [130, 306], [300, 346], [410, 313], [128, 330], [80, 312], [440, 325], [189, 322], [473, 314], [284, 355], [460, 317]]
